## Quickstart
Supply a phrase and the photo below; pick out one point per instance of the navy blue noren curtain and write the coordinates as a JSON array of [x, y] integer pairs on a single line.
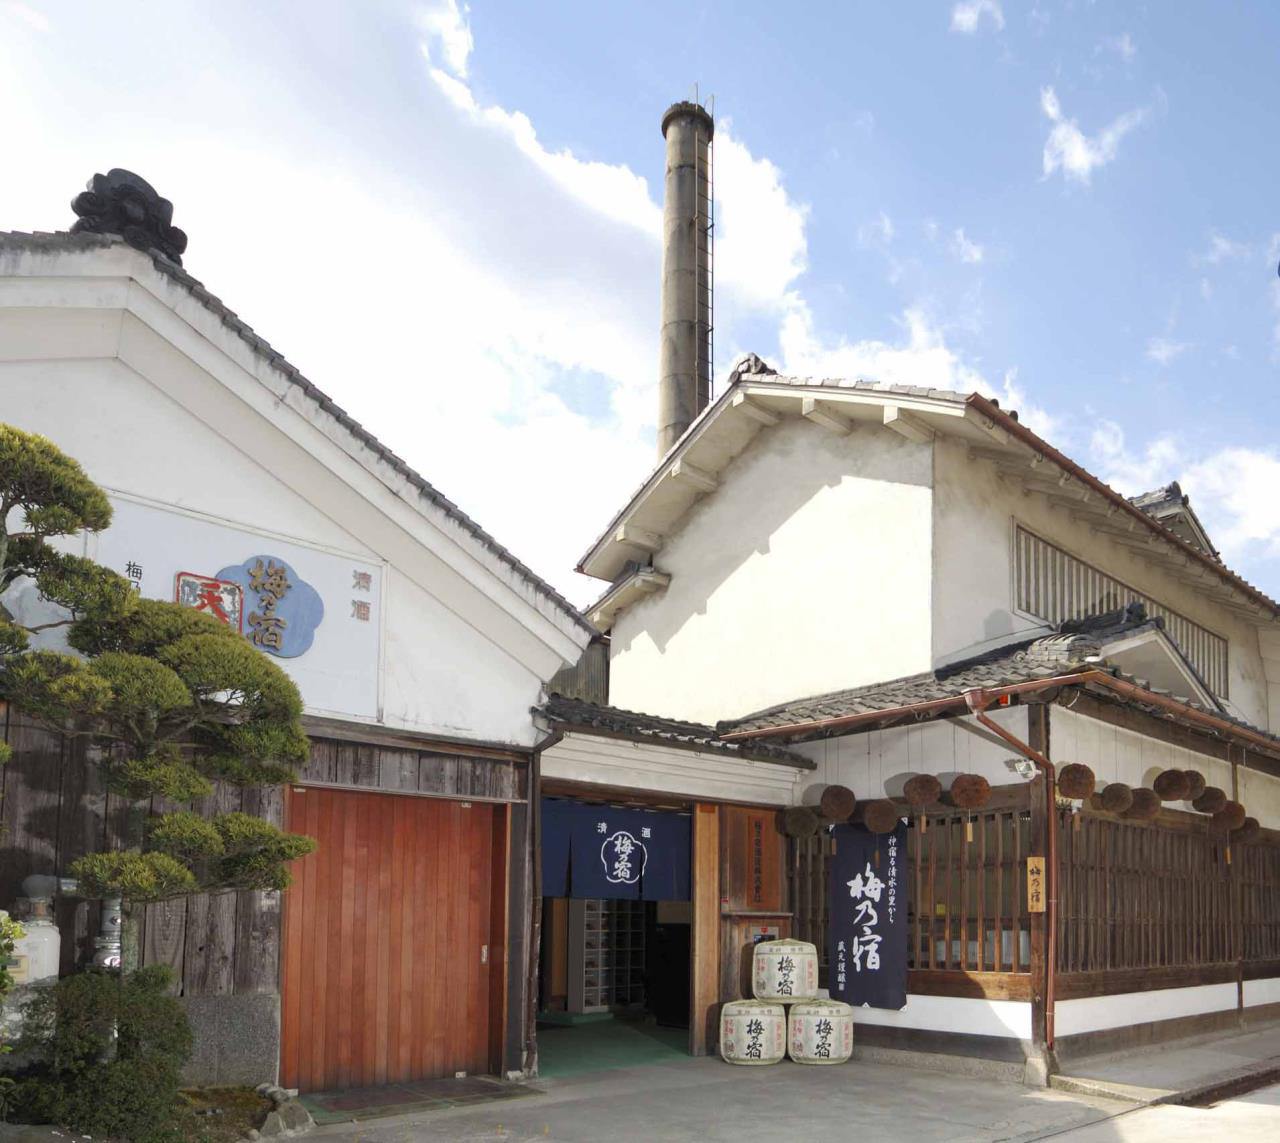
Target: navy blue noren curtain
[[614, 853]]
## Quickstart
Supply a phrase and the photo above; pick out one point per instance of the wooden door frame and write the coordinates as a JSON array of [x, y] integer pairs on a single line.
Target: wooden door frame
[[499, 916]]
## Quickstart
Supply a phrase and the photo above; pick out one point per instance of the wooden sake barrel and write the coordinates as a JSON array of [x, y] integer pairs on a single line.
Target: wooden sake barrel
[[785, 971], [753, 1032], [820, 1032]]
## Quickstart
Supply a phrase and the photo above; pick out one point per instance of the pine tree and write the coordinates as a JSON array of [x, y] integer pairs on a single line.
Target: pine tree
[[170, 698]]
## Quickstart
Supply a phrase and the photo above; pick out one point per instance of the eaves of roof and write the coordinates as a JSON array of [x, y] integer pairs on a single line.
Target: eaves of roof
[[913, 411], [64, 240]]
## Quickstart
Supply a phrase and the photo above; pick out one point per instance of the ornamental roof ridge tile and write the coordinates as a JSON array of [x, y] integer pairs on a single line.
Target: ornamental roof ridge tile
[[62, 238]]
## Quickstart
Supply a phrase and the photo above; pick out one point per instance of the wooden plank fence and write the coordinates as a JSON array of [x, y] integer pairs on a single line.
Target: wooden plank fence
[[53, 809]]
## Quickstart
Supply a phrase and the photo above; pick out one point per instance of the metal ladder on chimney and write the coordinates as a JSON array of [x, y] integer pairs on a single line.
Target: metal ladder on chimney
[[704, 254]]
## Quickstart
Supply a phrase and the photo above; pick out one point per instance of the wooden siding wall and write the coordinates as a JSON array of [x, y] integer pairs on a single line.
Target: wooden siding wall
[[53, 809]]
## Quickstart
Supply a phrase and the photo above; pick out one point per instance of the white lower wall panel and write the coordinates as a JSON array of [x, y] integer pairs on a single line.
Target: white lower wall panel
[[1262, 992], [1006, 1018], [1096, 1013]]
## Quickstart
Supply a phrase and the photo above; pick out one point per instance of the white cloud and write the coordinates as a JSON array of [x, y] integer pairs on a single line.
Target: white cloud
[[1164, 351], [968, 14], [448, 30], [1122, 45], [1222, 249], [965, 248], [878, 232], [1076, 154], [34, 19], [1232, 489]]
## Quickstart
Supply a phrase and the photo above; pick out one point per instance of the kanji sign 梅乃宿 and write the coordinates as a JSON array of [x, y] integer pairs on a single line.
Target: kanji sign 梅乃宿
[[868, 917]]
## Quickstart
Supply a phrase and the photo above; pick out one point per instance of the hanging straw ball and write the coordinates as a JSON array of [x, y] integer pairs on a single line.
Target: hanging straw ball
[[1117, 798], [1195, 784], [1249, 831], [881, 816], [1231, 816], [1171, 785], [1145, 805], [800, 821], [1211, 801], [837, 803], [970, 791], [1076, 781], [922, 790]]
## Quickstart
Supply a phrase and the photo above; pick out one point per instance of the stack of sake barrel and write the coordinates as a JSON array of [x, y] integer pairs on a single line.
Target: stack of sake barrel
[[761, 1031]]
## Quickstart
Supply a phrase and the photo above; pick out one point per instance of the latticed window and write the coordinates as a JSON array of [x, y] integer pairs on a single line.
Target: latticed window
[[1055, 586]]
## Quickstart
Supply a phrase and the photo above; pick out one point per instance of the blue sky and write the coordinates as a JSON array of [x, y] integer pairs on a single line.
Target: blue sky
[[448, 218]]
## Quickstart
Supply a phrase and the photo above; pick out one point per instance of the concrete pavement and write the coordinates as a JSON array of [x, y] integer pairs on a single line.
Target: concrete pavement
[[705, 1099]]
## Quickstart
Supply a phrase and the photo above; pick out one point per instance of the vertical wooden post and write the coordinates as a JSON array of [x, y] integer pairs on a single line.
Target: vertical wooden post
[[704, 961], [1038, 739], [1235, 887]]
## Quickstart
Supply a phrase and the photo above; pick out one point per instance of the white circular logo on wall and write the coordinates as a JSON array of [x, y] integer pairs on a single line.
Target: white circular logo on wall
[[624, 858]]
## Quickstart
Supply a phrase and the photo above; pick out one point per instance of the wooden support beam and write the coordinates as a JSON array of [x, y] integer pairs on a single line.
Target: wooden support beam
[[907, 424], [640, 538], [690, 474], [757, 413], [814, 411], [704, 936], [988, 426]]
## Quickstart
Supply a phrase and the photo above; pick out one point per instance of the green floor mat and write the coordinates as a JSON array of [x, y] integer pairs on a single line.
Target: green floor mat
[[570, 1051]]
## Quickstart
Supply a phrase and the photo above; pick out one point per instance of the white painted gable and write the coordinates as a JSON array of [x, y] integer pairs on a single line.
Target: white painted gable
[[214, 452]]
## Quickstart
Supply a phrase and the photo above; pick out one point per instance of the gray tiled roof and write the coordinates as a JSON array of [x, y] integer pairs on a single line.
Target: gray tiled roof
[[64, 240], [580, 714], [1077, 646]]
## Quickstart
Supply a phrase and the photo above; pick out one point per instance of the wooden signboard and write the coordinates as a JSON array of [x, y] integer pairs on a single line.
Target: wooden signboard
[[1035, 885]]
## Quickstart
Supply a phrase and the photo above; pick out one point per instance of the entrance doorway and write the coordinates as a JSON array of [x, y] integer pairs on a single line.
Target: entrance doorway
[[615, 937], [393, 940]]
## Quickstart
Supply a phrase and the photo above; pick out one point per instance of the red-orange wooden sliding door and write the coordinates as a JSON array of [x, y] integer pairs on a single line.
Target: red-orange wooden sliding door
[[389, 966]]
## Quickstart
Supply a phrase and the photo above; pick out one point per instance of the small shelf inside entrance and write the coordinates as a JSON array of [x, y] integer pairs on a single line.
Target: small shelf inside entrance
[[606, 954]]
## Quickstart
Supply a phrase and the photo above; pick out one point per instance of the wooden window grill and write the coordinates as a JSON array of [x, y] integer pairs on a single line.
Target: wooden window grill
[[1055, 586]]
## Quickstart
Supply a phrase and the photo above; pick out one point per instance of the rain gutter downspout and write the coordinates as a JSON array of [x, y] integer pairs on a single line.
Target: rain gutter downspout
[[978, 701]]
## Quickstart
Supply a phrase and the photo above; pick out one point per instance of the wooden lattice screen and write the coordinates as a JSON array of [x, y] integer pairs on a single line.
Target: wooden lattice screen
[[968, 897], [1140, 895], [1132, 896]]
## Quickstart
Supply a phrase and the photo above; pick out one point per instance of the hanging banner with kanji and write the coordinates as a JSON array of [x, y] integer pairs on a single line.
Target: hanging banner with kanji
[[868, 917], [613, 852]]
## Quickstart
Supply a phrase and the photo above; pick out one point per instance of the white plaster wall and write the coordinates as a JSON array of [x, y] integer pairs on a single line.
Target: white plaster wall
[[808, 571], [651, 766], [877, 763], [130, 436], [1009, 1019], [441, 675], [1095, 1013], [1119, 755], [1260, 795], [973, 585], [1258, 992]]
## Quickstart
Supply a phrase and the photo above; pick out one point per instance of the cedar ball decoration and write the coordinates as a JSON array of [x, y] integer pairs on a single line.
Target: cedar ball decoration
[[970, 791], [922, 790], [1076, 781], [1195, 784], [1249, 831], [1146, 804], [836, 804], [881, 816], [800, 821], [1117, 798], [1172, 785], [1230, 817], [1211, 801]]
